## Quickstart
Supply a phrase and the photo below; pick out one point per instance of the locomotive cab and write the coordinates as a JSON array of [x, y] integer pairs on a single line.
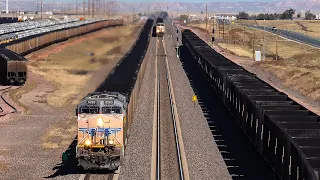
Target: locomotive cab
[[101, 130]]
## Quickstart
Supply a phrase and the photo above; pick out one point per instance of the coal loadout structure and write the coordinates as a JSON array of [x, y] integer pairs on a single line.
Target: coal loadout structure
[[284, 132]]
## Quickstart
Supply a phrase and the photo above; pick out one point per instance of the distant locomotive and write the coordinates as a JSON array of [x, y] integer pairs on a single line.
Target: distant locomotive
[[160, 29], [102, 127], [13, 68]]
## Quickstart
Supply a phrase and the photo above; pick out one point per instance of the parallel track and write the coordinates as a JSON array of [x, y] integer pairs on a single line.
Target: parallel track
[[89, 176], [6, 103], [160, 48]]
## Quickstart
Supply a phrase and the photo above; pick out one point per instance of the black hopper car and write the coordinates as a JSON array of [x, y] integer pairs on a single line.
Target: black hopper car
[[285, 133], [13, 68]]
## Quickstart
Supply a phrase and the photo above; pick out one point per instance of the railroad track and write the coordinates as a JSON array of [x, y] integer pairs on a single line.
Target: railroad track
[[3, 111], [91, 176], [169, 161]]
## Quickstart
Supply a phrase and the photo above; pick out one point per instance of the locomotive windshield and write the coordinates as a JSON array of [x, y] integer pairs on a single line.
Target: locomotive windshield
[[89, 110], [111, 110]]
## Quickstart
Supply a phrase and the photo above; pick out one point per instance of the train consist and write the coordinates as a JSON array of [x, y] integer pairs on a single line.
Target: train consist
[[22, 26], [102, 125], [284, 132], [49, 35], [104, 116], [39, 28], [13, 68]]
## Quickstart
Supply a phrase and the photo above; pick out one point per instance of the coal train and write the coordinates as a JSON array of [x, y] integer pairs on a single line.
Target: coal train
[[284, 132], [105, 115], [13, 68]]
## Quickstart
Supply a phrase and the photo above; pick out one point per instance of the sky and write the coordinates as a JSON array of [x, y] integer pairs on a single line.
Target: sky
[[199, 1], [188, 1]]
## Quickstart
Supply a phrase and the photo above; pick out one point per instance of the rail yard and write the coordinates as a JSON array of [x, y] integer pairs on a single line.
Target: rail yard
[[170, 108]]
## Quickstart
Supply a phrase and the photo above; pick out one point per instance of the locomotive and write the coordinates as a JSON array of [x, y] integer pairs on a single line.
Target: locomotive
[[102, 127], [160, 29]]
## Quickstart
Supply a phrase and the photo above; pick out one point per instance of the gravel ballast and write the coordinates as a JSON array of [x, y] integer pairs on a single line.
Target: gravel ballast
[[137, 161]]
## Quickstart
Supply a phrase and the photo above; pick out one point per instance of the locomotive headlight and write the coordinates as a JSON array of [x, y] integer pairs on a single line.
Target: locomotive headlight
[[87, 142], [110, 141], [100, 122]]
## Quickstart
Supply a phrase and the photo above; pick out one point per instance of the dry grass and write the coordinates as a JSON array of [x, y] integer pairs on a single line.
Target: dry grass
[[59, 134], [312, 27], [71, 68], [298, 65], [3, 167], [238, 50]]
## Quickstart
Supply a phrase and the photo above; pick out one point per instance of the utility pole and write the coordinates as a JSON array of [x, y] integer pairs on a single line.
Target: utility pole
[[76, 7], [264, 47], [83, 7], [89, 6], [37, 6], [244, 34], [92, 8], [223, 30], [276, 45], [253, 43], [213, 22], [133, 15], [41, 9], [206, 17], [7, 6]]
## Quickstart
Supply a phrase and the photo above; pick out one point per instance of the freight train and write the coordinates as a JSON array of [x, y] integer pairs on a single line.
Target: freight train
[[102, 125], [284, 132], [24, 45], [104, 117], [13, 68]]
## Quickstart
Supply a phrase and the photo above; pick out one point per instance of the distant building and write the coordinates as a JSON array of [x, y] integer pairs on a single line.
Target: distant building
[[47, 12], [317, 16]]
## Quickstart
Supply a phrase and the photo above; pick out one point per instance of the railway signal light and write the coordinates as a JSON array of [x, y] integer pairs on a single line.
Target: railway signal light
[[212, 39], [212, 31]]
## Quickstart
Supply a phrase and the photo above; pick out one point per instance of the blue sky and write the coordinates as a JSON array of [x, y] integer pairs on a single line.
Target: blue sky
[[193, 1], [197, 1]]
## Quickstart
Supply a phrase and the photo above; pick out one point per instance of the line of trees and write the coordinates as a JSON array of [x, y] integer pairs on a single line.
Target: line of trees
[[287, 14]]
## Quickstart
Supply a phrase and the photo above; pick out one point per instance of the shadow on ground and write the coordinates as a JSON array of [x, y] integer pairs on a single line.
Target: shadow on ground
[[70, 165]]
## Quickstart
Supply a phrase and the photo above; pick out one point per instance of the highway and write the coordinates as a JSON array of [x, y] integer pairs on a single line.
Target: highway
[[291, 35], [284, 33]]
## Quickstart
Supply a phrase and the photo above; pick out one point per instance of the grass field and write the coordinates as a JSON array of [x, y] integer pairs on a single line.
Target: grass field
[[70, 68], [306, 27], [298, 65]]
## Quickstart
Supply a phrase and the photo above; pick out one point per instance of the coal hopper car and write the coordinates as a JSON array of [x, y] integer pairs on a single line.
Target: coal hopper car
[[13, 68]]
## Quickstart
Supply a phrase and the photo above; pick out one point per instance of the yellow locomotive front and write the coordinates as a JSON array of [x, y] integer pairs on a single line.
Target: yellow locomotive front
[[160, 29], [101, 129]]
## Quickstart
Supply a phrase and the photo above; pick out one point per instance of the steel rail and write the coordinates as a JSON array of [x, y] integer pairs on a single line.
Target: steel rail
[[181, 174], [5, 101], [158, 166], [174, 121]]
